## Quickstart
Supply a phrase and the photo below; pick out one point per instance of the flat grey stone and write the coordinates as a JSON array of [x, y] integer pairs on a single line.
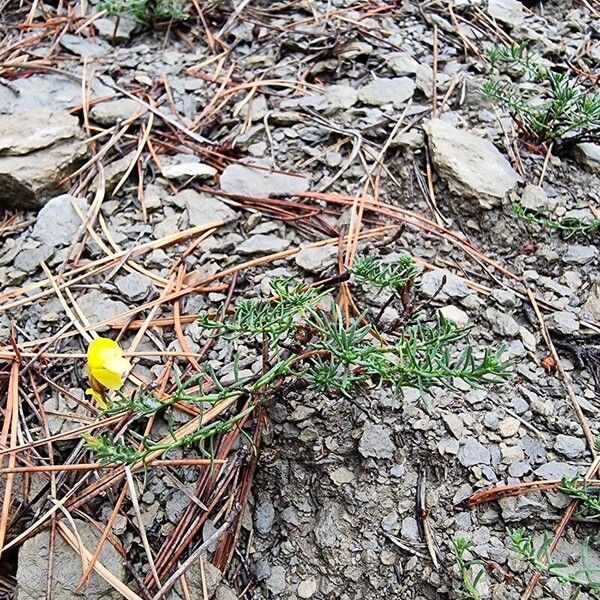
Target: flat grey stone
[[57, 222], [591, 308], [454, 287], [316, 260], [472, 167], [563, 321], [29, 259], [35, 130], [276, 581], [37, 152], [502, 323], [395, 90], [472, 452], [510, 12], [535, 198], [244, 180], [402, 64], [556, 470], [134, 286], [340, 96], [108, 113], [112, 28], [262, 244], [264, 515], [569, 446], [204, 209], [82, 46], [97, 306], [32, 572], [589, 155], [184, 169], [577, 254], [376, 441]]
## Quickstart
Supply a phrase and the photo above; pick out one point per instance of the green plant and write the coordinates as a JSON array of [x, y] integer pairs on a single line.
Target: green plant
[[541, 561], [569, 226], [145, 12], [558, 108], [470, 577], [588, 497], [299, 339], [392, 276]]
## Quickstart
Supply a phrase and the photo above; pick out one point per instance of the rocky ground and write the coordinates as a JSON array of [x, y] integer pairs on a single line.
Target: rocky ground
[[142, 168]]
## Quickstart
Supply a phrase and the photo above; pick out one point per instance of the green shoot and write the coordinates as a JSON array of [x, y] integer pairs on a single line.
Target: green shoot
[[465, 566], [394, 277], [587, 496], [145, 12], [570, 227], [568, 113], [585, 577]]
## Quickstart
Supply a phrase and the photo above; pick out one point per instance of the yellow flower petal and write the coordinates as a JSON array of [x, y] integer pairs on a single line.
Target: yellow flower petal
[[106, 363], [97, 396]]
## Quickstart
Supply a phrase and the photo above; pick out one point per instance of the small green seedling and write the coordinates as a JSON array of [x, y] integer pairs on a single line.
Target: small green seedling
[[555, 108]]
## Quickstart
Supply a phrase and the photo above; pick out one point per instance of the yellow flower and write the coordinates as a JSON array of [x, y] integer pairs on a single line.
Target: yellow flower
[[107, 367], [91, 441]]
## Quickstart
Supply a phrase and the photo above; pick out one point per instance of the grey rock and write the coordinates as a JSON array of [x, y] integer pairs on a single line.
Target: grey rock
[[108, 113], [564, 322], [35, 130], [224, 592], [184, 169], [503, 324], [455, 315], [570, 446], [113, 173], [54, 92], [454, 287], [244, 180], [472, 452], [577, 254], [40, 149], [32, 572], [112, 28], [591, 308], [212, 579], [402, 64], [256, 109], [556, 470], [307, 588], [58, 222], [535, 198], [82, 46], [472, 166], [376, 441], [134, 286], [510, 12], [29, 259], [518, 508], [167, 227], [326, 529], [264, 515], [340, 96], [97, 306], [62, 411], [262, 244], [396, 91], [410, 529], [316, 260], [589, 155], [204, 209], [276, 581]]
